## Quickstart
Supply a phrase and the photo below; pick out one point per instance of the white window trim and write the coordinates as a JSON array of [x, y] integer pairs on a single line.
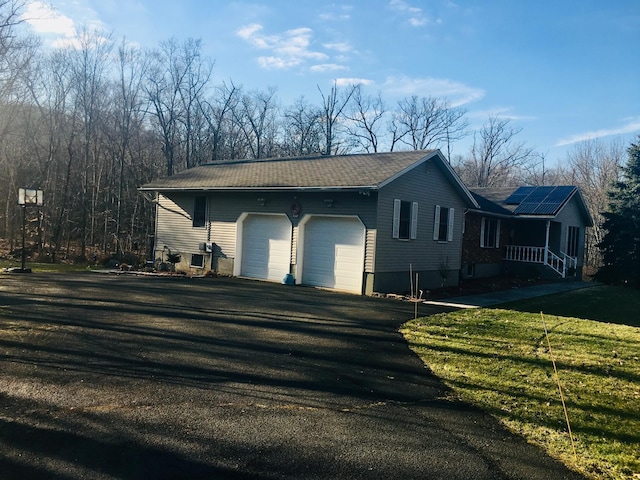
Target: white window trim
[[436, 224], [193, 265], [568, 239], [482, 231], [413, 225]]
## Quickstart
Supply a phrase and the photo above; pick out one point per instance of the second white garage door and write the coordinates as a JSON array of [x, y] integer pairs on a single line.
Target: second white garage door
[[334, 253], [266, 247]]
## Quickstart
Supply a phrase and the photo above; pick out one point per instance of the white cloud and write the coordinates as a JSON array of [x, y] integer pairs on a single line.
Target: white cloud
[[415, 16], [342, 47], [417, 21], [500, 112], [455, 92], [342, 14], [632, 125], [345, 82], [249, 33], [45, 20], [327, 67], [288, 49], [61, 30]]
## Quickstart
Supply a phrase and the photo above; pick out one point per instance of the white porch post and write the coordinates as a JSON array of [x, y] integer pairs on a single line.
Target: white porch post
[[546, 243]]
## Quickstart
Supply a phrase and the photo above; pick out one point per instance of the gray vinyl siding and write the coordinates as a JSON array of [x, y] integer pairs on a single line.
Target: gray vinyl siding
[[174, 226], [225, 208], [427, 185], [223, 234], [571, 215]]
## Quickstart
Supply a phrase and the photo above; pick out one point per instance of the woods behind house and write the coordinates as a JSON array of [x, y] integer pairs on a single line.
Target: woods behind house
[[90, 122]]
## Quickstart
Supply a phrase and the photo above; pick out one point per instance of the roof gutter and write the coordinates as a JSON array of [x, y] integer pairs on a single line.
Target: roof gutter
[[490, 214], [259, 189]]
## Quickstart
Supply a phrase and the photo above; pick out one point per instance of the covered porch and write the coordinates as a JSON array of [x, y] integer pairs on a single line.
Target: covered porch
[[543, 242]]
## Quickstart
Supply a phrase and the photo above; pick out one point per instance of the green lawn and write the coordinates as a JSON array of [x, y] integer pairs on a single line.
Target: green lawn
[[43, 267], [499, 360]]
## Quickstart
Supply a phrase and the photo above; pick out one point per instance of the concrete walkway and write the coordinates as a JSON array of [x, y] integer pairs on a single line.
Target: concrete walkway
[[511, 295]]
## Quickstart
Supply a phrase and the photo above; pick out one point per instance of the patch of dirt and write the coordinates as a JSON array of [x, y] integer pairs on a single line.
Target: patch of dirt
[[484, 285], [475, 287]]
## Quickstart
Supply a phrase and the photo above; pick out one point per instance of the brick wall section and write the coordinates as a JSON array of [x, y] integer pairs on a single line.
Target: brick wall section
[[471, 250]]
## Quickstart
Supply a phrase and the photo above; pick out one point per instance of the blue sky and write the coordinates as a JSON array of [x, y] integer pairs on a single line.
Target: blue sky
[[562, 70]]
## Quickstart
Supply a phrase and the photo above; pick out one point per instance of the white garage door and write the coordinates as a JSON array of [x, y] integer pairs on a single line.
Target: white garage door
[[266, 247], [334, 253]]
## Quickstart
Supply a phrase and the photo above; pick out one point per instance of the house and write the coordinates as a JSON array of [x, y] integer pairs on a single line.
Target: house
[[358, 223], [529, 230]]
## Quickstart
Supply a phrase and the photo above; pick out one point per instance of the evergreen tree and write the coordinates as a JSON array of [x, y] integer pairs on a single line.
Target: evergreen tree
[[620, 246]]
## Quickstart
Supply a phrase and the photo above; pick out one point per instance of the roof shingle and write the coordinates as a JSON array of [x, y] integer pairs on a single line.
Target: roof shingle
[[310, 172]]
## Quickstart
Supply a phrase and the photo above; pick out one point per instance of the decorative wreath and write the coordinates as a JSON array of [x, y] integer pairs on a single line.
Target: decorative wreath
[[296, 208]]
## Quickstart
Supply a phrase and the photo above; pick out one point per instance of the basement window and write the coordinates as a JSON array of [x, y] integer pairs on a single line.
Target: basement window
[[197, 260]]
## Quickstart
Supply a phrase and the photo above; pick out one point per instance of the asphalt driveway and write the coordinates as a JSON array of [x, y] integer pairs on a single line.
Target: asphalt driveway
[[105, 376]]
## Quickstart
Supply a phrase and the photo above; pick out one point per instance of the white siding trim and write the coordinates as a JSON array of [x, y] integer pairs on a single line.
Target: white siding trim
[[370, 250], [396, 218], [498, 234], [482, 227], [436, 224], [414, 221], [450, 226]]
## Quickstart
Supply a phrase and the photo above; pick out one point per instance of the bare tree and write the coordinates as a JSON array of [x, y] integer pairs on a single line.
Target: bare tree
[[256, 116], [176, 80], [594, 166], [128, 117], [17, 52], [363, 120], [217, 112], [197, 74], [495, 156], [88, 64], [49, 84], [302, 128], [426, 122], [333, 105]]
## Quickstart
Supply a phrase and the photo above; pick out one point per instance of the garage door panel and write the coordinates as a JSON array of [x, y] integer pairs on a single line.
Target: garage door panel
[[266, 247], [334, 253]]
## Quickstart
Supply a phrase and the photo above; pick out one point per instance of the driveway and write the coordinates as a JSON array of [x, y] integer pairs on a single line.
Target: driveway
[[119, 376]]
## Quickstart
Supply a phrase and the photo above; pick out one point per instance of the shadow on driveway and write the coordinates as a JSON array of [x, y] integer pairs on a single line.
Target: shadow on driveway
[[137, 377]]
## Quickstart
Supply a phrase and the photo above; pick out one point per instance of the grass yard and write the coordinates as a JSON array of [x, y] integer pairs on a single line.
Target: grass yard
[[43, 267], [499, 360]]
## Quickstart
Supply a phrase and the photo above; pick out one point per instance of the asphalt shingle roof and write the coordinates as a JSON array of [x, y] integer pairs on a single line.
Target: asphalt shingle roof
[[321, 172], [494, 200]]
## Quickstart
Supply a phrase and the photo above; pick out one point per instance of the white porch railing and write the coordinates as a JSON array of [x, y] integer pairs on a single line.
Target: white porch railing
[[561, 264]]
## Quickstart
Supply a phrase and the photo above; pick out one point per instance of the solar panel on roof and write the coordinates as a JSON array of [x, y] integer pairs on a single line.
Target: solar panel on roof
[[525, 208], [544, 201], [538, 195], [559, 194], [519, 195], [546, 209]]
